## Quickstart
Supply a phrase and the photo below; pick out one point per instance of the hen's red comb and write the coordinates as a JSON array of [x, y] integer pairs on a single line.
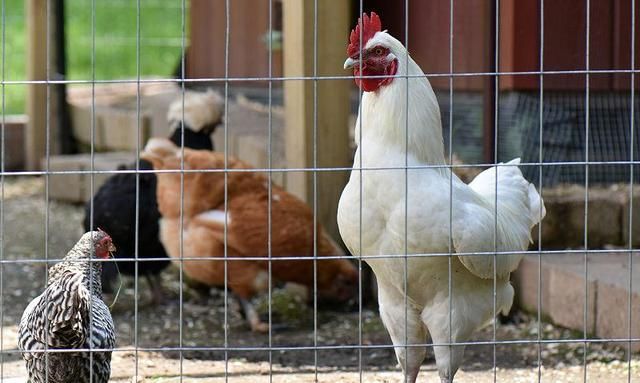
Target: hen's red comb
[[369, 25]]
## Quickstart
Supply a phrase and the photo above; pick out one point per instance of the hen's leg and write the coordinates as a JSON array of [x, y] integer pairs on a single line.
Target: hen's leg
[[252, 317], [246, 279], [392, 312], [157, 293]]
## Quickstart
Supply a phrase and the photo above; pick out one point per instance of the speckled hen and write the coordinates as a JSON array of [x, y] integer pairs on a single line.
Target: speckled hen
[[70, 314]]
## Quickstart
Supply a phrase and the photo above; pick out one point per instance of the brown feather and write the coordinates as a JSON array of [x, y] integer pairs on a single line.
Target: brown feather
[[292, 227]]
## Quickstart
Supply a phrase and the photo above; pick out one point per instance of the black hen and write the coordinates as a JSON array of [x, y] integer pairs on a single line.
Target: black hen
[[114, 204]]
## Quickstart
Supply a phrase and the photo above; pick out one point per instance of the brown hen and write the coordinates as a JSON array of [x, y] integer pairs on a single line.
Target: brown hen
[[247, 234]]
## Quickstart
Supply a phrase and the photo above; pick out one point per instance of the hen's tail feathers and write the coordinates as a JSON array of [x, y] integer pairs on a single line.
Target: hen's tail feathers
[[199, 110]]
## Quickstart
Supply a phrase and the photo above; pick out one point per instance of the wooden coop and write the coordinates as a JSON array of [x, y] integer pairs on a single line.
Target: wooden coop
[[511, 86], [292, 55]]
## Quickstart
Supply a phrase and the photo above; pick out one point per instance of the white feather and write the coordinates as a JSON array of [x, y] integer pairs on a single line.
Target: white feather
[[215, 216], [426, 211], [200, 109]]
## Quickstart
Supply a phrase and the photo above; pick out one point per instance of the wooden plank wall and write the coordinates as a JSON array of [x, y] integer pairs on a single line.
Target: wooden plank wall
[[248, 54], [429, 36], [564, 45]]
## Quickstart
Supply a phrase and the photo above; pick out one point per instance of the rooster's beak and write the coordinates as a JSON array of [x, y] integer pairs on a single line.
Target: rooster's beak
[[350, 63]]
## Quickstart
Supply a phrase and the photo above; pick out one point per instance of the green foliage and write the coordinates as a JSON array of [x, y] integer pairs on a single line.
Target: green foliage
[[116, 41], [14, 54]]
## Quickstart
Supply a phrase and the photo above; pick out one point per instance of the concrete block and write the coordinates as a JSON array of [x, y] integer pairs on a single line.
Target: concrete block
[[248, 138], [567, 298], [563, 292], [116, 116], [613, 297], [613, 313], [118, 129], [563, 227], [76, 187], [115, 128], [631, 205], [525, 280], [253, 149], [218, 139]]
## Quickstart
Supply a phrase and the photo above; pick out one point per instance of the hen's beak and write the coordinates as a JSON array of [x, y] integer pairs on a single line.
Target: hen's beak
[[350, 63], [112, 247]]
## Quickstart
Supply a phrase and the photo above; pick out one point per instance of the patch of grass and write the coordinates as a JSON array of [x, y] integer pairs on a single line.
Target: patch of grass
[[14, 55], [115, 38]]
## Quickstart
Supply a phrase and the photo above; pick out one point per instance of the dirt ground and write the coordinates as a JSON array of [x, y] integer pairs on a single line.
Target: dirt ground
[[146, 336]]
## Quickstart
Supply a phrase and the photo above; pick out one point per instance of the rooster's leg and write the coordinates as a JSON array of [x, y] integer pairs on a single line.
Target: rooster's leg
[[448, 358], [157, 293], [392, 312]]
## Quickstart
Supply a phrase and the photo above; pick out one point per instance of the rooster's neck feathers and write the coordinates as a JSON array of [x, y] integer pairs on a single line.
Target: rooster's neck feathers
[[384, 113]]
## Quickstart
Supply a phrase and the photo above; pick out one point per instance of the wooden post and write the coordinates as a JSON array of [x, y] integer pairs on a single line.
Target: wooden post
[[332, 102], [36, 71], [36, 93], [489, 128]]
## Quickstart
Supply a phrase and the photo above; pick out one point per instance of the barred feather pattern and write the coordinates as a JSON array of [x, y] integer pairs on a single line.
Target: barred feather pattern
[[60, 318]]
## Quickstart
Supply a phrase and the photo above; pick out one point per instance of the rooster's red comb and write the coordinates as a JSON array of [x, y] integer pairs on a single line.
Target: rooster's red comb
[[369, 25]]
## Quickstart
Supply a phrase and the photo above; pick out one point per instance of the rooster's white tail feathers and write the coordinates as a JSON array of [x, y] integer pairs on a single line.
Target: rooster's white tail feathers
[[512, 189], [514, 195], [536, 206]]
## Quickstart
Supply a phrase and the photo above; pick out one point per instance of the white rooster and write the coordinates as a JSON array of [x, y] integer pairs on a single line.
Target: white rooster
[[410, 203]]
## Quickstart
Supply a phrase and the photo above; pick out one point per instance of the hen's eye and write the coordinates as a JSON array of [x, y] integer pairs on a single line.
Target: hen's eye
[[379, 51]]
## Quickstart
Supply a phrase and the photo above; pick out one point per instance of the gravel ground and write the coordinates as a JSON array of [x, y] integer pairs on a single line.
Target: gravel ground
[[203, 318]]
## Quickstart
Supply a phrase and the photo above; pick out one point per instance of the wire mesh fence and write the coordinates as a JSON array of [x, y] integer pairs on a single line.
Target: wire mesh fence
[[231, 266]]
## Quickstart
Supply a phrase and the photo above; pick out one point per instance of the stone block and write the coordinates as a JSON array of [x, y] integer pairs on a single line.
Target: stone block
[[631, 216], [115, 128], [114, 107], [253, 149], [564, 225], [567, 295], [563, 292], [76, 187], [525, 280], [613, 313], [613, 299]]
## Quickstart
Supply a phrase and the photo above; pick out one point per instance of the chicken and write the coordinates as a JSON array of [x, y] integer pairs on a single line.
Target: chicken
[[411, 203], [114, 204], [70, 314], [247, 229]]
